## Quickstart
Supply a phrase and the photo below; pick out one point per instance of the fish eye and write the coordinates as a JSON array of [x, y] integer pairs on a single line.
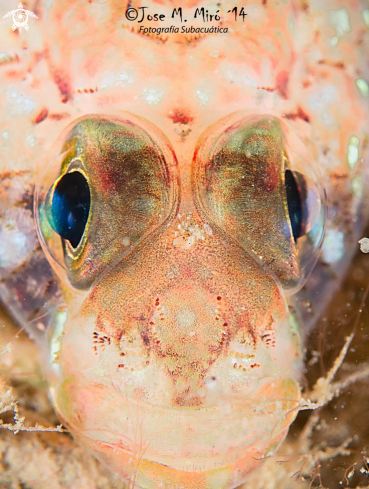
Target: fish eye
[[252, 177], [304, 204], [70, 207], [113, 181], [294, 203], [306, 207]]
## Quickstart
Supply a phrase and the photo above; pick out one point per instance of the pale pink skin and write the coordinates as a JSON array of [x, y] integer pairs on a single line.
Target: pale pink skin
[[128, 416]]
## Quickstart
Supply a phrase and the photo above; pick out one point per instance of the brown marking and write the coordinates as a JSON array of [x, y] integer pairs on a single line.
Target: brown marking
[[41, 116], [49, 285], [336, 64], [299, 114], [268, 89]]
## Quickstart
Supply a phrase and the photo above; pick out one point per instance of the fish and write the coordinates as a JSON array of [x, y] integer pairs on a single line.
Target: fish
[[177, 206]]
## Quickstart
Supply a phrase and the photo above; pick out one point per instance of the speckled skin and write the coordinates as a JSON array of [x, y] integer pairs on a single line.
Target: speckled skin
[[174, 409]]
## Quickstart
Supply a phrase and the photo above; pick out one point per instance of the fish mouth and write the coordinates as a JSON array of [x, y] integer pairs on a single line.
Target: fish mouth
[[234, 432]]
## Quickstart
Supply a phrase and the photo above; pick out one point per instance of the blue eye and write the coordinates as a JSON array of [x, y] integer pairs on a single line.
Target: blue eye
[[70, 207], [294, 203]]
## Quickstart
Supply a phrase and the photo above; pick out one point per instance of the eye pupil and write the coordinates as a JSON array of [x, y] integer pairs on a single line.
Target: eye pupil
[[294, 204], [70, 207]]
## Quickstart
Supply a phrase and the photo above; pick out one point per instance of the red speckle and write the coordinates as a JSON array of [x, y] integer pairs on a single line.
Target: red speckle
[[63, 84], [121, 365], [282, 84], [12, 73], [178, 116], [219, 298], [302, 115], [151, 323], [110, 179], [122, 354], [225, 324], [58, 117], [339, 65], [41, 116]]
